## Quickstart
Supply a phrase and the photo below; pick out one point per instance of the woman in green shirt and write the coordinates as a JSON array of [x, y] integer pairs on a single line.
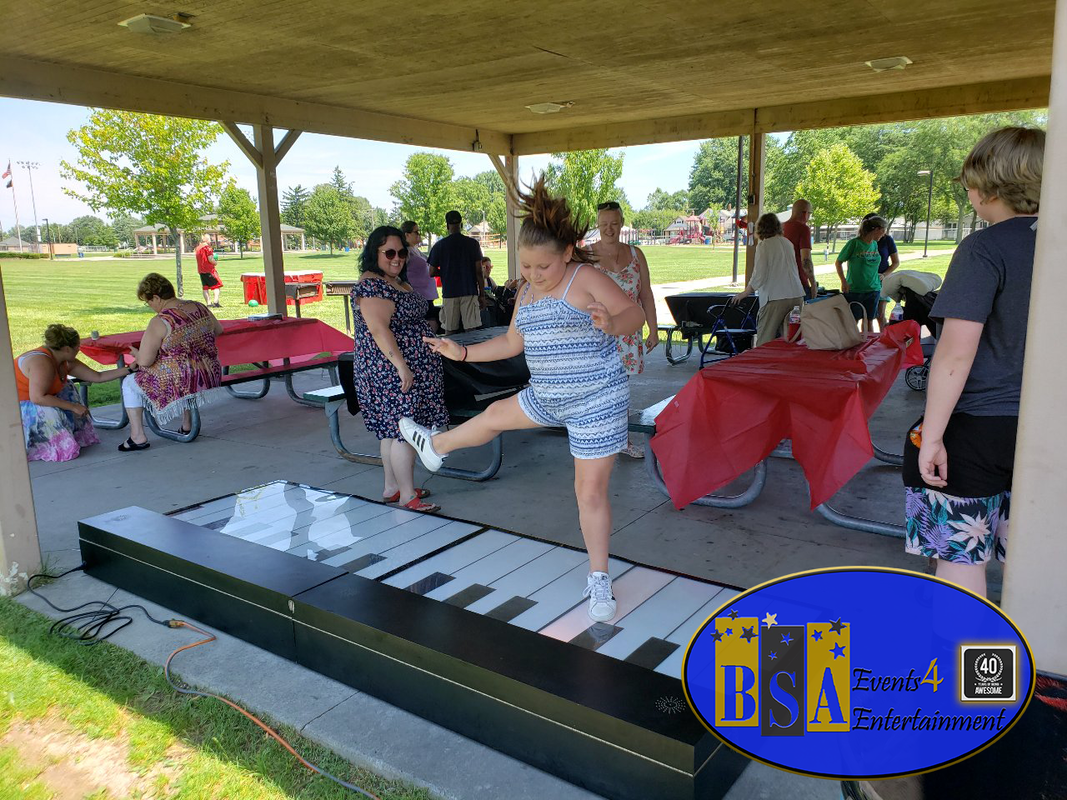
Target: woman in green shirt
[[861, 285]]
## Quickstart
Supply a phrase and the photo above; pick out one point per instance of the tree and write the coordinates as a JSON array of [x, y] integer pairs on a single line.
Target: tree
[[660, 200], [713, 176], [655, 220], [294, 204], [238, 216], [425, 193], [339, 182], [123, 226], [587, 178], [838, 187], [149, 165], [328, 216], [86, 230], [472, 199]]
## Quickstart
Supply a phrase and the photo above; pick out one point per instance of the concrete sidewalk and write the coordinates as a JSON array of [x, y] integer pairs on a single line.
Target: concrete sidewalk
[[246, 443]]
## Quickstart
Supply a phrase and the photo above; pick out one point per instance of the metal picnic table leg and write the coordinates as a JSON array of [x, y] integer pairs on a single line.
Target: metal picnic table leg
[[859, 523], [257, 395], [174, 436], [334, 406], [759, 480], [100, 422], [831, 514]]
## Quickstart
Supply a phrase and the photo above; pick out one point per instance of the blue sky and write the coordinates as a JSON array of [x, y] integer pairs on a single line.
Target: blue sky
[[34, 131]]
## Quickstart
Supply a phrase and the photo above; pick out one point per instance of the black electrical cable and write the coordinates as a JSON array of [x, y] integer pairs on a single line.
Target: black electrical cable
[[87, 627]]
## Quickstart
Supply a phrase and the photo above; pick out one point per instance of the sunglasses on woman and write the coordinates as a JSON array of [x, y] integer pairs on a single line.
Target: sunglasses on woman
[[391, 253]]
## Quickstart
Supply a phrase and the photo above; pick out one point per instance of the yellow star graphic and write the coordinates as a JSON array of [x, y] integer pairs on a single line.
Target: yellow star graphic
[[770, 619]]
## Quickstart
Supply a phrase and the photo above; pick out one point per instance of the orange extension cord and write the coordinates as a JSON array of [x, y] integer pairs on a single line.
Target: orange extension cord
[[177, 623]]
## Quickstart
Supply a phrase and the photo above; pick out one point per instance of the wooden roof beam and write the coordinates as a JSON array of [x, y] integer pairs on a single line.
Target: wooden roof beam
[[919, 104], [39, 80]]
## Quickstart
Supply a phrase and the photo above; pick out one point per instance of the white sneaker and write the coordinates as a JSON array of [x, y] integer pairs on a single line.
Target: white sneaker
[[601, 600], [421, 439]]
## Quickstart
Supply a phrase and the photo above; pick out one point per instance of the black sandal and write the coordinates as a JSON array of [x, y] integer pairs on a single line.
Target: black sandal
[[130, 445]]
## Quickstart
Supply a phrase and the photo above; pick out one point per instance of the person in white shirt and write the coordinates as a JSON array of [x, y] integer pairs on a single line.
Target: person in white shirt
[[774, 278]]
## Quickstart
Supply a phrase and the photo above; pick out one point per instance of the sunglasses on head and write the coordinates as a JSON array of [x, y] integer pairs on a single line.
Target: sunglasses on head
[[391, 253], [611, 205]]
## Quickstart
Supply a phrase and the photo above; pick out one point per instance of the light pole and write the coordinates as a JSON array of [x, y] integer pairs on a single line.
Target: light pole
[[929, 202], [30, 167], [48, 237]]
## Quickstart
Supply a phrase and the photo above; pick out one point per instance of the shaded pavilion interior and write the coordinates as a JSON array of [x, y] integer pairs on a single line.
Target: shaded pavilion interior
[[660, 72]]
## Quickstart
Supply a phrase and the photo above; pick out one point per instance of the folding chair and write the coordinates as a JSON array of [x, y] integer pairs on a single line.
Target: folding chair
[[733, 328]]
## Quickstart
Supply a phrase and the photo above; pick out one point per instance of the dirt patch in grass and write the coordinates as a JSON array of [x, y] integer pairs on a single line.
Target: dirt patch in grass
[[73, 765]]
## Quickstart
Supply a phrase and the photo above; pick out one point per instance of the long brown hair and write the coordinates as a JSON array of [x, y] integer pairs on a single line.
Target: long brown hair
[[548, 221]]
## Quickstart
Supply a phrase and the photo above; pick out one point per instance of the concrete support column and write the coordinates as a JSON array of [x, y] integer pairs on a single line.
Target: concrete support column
[[303, 242], [20, 551], [270, 219], [757, 150], [1035, 593], [155, 246], [511, 166], [181, 242]]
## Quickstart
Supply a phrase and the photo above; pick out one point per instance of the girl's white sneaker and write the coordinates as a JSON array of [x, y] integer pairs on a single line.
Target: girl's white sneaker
[[601, 600], [421, 438]]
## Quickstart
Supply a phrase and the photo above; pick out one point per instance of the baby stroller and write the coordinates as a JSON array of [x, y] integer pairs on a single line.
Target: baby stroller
[[917, 307]]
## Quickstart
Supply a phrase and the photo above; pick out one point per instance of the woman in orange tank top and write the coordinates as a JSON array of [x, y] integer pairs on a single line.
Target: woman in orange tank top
[[55, 424]]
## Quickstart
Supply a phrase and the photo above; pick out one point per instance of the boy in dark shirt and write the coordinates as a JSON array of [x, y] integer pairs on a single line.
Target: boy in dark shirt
[[960, 516]]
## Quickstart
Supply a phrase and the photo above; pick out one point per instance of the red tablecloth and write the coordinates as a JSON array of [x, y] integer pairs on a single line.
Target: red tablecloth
[[255, 284], [244, 341], [732, 414]]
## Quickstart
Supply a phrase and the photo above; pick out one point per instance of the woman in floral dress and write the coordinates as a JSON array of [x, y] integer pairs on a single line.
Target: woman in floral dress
[[626, 265], [55, 424], [177, 363], [395, 373]]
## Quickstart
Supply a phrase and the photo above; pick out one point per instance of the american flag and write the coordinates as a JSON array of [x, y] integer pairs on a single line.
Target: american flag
[[7, 174]]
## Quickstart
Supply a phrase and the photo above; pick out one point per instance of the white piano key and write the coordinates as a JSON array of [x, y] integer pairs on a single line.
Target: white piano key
[[659, 615], [485, 570], [453, 559], [416, 548], [563, 594], [529, 578], [380, 534], [630, 590], [684, 632]]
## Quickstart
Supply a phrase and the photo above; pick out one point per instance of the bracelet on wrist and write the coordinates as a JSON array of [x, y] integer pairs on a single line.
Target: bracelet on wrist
[[464, 352]]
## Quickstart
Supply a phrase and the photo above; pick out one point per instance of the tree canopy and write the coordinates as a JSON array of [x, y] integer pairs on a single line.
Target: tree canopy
[[328, 216], [837, 186], [587, 178], [238, 216], [426, 192], [147, 165]]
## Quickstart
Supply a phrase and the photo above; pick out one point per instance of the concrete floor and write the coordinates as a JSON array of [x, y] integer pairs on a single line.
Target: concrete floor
[[245, 443]]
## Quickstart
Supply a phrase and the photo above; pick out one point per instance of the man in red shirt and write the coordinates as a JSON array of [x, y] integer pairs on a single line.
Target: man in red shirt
[[209, 276], [796, 230]]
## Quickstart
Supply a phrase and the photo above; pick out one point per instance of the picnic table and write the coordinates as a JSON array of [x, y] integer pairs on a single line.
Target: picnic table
[[820, 400], [276, 346], [255, 285], [693, 320], [469, 388]]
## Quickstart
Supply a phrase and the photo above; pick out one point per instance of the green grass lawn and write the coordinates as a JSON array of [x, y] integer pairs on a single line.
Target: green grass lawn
[[99, 722], [98, 294]]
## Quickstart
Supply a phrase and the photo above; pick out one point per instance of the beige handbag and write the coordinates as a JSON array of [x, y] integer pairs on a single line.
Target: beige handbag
[[829, 325]]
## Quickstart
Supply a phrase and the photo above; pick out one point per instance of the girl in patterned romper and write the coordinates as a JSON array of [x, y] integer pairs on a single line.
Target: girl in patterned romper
[[566, 320]]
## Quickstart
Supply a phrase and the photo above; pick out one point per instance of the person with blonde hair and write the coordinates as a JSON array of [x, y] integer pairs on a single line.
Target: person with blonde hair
[[774, 278], [55, 424], [960, 516], [627, 266], [566, 320], [177, 363]]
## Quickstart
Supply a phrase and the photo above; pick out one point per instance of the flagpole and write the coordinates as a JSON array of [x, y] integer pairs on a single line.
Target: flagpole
[[11, 186], [30, 167]]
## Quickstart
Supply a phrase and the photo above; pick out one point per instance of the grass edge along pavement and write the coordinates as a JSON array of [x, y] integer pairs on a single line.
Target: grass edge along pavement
[[122, 725]]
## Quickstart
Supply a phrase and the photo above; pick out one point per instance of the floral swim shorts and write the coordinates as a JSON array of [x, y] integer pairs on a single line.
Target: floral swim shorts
[[961, 530]]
